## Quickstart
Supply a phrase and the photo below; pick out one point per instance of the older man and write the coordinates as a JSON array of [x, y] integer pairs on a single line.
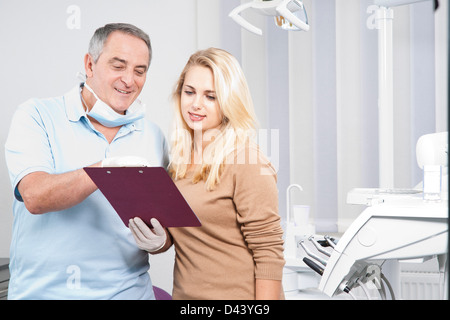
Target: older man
[[68, 242]]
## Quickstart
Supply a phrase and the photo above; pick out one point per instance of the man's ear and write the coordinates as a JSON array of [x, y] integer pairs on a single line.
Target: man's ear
[[88, 64]]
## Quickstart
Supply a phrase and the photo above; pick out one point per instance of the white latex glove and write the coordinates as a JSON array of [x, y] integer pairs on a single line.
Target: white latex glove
[[125, 161], [150, 240]]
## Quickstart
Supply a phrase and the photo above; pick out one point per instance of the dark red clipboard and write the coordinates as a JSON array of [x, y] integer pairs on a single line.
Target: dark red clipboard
[[144, 192]]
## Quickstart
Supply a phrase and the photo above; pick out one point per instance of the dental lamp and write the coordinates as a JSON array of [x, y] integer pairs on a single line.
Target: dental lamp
[[288, 14]]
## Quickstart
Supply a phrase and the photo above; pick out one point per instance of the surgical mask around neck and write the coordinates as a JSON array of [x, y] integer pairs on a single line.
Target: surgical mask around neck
[[104, 114]]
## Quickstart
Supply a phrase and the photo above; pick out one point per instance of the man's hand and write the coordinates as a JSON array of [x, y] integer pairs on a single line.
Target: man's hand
[[125, 161], [150, 240]]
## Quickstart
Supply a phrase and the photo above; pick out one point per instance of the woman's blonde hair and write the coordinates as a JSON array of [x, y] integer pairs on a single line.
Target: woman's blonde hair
[[238, 123]]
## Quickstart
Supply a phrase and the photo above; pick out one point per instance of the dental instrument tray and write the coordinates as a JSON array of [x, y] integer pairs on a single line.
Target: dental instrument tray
[[145, 192], [372, 196]]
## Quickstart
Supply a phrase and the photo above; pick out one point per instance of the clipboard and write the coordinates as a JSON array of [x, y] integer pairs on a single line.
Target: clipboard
[[144, 192]]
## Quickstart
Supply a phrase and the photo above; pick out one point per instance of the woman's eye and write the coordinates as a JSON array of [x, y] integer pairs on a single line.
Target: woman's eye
[[212, 98]]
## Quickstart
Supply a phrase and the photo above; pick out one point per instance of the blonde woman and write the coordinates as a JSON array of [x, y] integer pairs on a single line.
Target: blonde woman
[[237, 253]]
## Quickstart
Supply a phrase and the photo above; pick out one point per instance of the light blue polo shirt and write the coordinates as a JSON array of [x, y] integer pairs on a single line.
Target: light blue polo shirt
[[85, 252]]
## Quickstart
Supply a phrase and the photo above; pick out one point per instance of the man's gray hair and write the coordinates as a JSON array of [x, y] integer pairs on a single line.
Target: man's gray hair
[[101, 34]]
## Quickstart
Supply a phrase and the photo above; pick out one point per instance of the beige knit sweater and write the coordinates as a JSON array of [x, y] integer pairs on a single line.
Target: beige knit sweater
[[240, 238]]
